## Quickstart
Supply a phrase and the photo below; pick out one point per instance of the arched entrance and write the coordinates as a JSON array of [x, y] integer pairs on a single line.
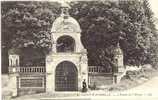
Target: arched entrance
[[66, 77], [65, 44]]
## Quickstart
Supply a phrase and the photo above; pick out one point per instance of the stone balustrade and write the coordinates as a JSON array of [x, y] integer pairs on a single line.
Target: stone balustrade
[[29, 69], [98, 69]]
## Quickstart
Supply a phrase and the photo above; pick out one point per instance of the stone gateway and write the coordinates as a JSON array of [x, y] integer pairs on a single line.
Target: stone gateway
[[66, 65]]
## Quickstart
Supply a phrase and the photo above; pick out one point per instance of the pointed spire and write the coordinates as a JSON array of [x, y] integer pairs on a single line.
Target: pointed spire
[[118, 41], [118, 44]]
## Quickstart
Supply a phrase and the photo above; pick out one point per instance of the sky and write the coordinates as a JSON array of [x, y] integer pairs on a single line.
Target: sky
[[154, 7]]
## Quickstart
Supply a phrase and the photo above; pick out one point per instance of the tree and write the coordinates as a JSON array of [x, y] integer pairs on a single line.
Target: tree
[[99, 23], [103, 24], [27, 25], [153, 53]]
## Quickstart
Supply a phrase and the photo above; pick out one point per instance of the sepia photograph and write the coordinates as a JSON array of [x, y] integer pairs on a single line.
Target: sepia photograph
[[79, 50]]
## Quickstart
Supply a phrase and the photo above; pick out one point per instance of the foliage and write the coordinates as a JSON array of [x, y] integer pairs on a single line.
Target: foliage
[[103, 24], [27, 23]]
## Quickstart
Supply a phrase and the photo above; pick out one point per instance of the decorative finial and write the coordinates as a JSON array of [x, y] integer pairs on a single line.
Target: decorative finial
[[118, 41], [64, 4], [118, 44], [64, 8]]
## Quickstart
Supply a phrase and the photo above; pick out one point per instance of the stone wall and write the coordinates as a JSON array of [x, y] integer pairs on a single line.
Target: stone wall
[[100, 80], [30, 84]]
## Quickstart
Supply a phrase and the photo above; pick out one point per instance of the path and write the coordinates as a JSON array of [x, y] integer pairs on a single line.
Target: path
[[146, 91]]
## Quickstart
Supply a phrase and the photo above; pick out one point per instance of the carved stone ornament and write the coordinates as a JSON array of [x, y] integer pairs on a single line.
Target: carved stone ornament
[[49, 59], [84, 59], [66, 27], [83, 73]]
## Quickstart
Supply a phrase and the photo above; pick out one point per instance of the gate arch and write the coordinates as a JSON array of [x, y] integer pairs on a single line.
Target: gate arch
[[65, 43], [66, 77]]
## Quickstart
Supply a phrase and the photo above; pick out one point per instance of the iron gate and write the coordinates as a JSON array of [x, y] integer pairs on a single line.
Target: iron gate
[[66, 77]]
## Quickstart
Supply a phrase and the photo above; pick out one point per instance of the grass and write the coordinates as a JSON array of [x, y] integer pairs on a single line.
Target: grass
[[134, 80]]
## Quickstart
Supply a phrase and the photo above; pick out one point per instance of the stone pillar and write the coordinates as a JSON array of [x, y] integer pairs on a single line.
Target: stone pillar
[[49, 73], [54, 47], [13, 73], [115, 79], [118, 58], [84, 68], [13, 83], [14, 60], [120, 63]]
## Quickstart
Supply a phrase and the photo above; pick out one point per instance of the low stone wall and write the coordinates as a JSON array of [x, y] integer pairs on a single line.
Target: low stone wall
[[30, 84], [100, 80], [5, 80]]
